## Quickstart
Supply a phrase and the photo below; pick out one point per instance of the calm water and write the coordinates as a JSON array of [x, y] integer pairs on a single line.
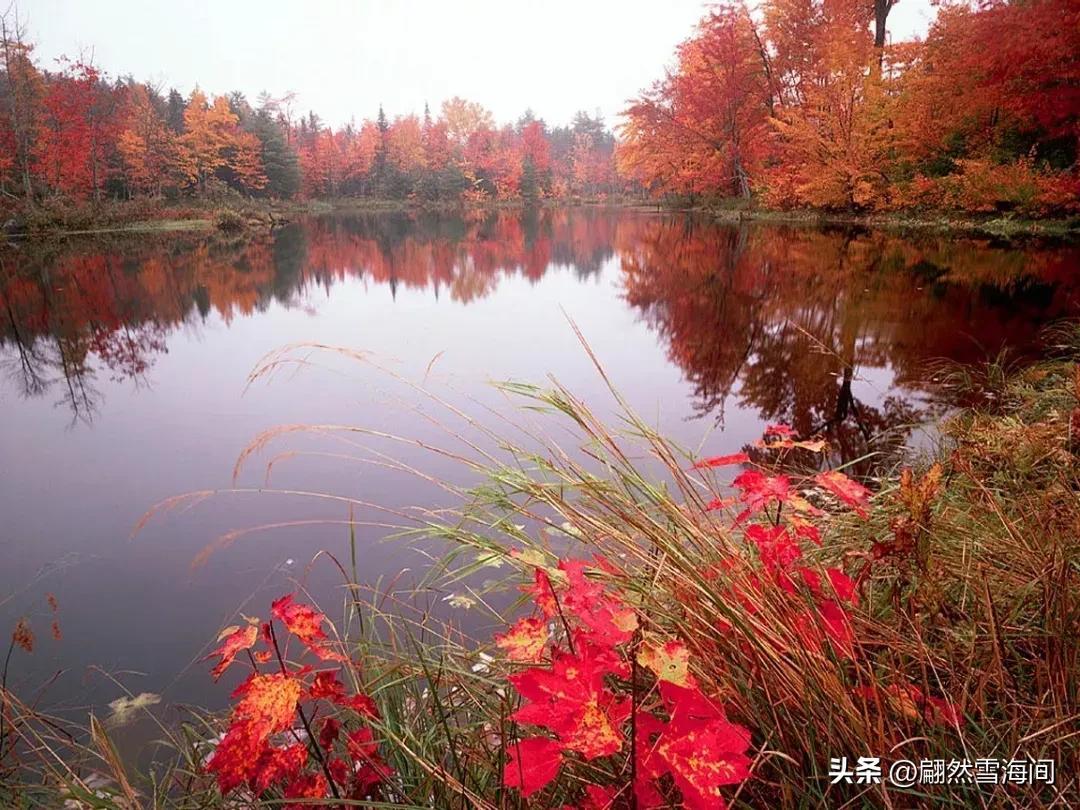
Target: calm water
[[123, 368]]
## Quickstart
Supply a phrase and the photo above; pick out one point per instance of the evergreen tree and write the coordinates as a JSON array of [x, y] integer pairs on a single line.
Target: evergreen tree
[[530, 186], [279, 160], [174, 112], [379, 172]]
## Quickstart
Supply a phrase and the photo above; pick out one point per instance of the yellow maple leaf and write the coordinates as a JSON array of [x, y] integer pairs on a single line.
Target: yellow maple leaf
[[525, 639], [669, 661]]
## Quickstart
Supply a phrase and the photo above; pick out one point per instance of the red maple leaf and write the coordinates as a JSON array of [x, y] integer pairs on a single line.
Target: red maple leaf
[[307, 786], [233, 641], [775, 546], [850, 492], [699, 747], [369, 767], [570, 699], [606, 618], [829, 622], [340, 771], [304, 622], [331, 728], [758, 491], [842, 584], [721, 461], [543, 593], [598, 797], [532, 764], [326, 686], [277, 765]]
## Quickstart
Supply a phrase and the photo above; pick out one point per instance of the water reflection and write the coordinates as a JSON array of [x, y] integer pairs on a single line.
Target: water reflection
[[784, 319], [71, 314], [781, 319], [151, 338]]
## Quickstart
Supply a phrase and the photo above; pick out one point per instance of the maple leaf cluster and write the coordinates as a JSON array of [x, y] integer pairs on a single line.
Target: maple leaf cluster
[[776, 519], [297, 732], [583, 696], [595, 685]]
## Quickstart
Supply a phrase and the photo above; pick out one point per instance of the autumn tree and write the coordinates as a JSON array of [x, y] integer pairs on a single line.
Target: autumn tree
[[213, 142], [359, 152], [463, 118], [701, 128], [22, 89], [204, 140], [320, 163], [72, 133], [76, 129], [535, 160], [405, 143], [146, 144], [995, 81]]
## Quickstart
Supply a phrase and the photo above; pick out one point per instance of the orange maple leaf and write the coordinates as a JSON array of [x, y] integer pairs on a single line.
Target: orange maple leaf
[[267, 705]]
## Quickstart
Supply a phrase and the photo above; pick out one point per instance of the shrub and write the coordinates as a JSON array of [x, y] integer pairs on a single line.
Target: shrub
[[229, 221]]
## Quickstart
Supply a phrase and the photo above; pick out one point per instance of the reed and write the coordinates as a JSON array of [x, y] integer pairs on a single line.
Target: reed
[[936, 619]]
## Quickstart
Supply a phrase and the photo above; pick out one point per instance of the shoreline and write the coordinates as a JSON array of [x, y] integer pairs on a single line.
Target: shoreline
[[1001, 227], [232, 217], [245, 215]]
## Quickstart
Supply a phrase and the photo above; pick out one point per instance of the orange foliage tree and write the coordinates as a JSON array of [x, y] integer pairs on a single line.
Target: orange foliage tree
[[700, 128], [980, 117], [213, 142], [147, 146]]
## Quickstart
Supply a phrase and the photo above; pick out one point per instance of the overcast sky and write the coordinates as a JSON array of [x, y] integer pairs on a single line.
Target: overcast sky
[[344, 57]]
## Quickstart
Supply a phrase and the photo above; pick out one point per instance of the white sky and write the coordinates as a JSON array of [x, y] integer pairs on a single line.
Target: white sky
[[344, 57]]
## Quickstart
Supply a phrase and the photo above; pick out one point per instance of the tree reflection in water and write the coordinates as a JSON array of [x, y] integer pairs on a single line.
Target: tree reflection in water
[[786, 320]]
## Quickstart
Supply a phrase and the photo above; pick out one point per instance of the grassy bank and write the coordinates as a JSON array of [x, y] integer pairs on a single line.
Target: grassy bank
[[694, 632], [998, 226], [59, 217], [64, 218]]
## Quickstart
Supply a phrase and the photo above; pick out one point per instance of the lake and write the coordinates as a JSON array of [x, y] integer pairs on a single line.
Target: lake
[[124, 365]]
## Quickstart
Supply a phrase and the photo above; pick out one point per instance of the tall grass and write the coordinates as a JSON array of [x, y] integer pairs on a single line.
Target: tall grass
[[964, 634]]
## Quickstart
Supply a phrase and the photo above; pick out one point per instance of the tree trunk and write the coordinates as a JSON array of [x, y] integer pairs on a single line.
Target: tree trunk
[[881, 15]]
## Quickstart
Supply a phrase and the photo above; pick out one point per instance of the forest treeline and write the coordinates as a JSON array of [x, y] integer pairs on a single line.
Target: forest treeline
[[74, 132], [794, 103], [808, 103]]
